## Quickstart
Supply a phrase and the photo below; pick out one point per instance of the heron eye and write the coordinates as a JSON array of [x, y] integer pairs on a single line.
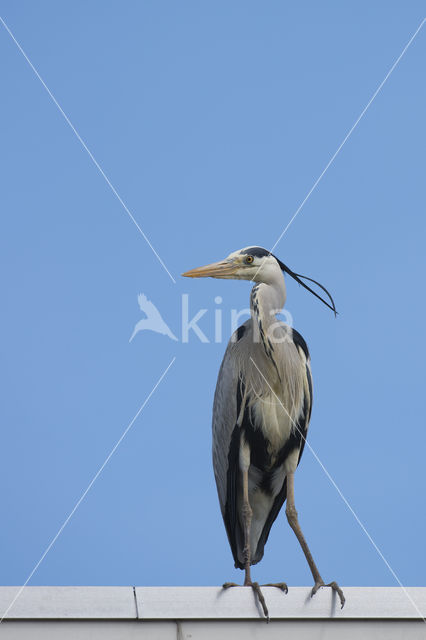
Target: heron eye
[[249, 259]]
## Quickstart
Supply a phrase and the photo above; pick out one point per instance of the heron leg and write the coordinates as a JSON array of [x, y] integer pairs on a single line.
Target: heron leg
[[293, 521], [247, 514]]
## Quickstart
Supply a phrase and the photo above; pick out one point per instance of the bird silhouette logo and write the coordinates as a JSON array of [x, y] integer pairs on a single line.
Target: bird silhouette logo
[[153, 320]]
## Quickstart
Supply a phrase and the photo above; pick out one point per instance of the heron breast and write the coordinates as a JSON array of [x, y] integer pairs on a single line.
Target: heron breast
[[275, 422]]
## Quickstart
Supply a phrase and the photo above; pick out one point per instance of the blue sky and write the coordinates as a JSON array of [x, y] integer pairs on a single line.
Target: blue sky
[[212, 120]]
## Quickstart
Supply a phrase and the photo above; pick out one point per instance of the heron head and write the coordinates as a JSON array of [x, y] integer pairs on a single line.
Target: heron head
[[250, 263], [255, 264]]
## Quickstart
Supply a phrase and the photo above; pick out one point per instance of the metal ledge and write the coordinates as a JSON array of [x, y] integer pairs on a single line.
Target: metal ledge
[[70, 603], [210, 603], [215, 603]]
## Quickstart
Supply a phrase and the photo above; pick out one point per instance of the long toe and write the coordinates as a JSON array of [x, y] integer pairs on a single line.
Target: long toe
[[226, 585], [278, 585], [339, 592], [333, 585], [258, 591]]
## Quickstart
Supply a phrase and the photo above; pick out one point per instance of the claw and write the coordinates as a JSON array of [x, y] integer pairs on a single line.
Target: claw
[[333, 585], [339, 592], [278, 585], [257, 590]]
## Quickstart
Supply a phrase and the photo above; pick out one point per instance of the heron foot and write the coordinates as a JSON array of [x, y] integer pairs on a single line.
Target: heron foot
[[333, 585], [278, 585], [256, 589]]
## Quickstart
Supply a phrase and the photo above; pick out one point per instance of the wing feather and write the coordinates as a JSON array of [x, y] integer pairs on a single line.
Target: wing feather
[[226, 441]]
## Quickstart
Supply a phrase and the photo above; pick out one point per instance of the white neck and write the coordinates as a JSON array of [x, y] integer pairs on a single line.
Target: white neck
[[266, 301]]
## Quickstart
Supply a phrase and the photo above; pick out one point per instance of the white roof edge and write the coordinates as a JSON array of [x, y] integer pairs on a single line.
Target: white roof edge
[[209, 603]]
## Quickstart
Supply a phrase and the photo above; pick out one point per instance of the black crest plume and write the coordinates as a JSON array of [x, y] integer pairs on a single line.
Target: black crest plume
[[298, 276]]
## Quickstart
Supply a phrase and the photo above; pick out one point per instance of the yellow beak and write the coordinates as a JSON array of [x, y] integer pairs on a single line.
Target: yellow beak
[[223, 269]]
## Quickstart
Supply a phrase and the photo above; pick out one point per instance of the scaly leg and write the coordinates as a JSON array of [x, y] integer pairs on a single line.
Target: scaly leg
[[293, 521], [247, 513]]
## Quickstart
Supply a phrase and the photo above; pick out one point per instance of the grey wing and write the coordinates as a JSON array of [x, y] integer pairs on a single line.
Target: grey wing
[[304, 418], [224, 421], [226, 441]]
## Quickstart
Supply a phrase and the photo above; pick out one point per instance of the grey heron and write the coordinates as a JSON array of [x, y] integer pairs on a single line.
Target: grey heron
[[261, 412]]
